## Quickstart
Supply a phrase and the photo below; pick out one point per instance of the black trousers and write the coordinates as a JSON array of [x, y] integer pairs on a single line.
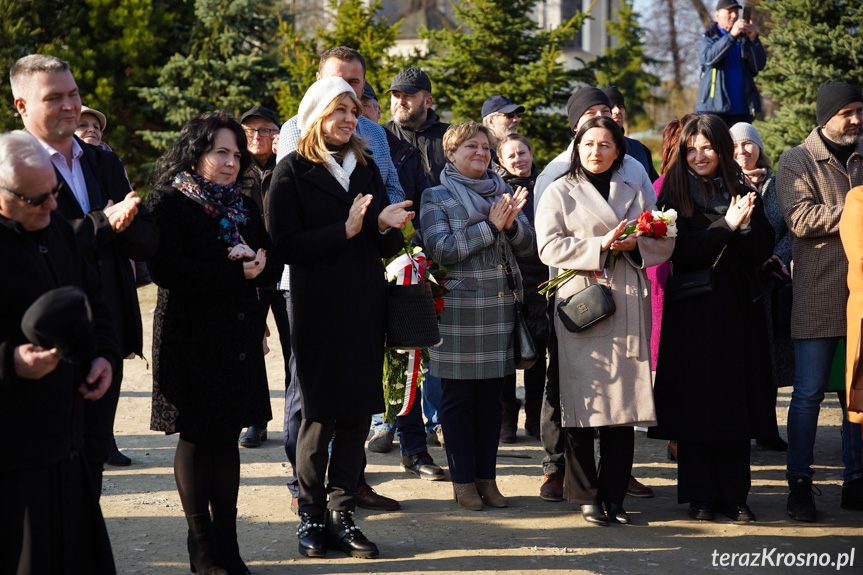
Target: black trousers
[[550, 430], [713, 472], [99, 430], [274, 299], [470, 416], [534, 378], [340, 470], [589, 484]]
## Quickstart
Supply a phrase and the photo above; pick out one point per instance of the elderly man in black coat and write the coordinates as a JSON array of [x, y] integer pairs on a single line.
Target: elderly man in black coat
[[51, 517]]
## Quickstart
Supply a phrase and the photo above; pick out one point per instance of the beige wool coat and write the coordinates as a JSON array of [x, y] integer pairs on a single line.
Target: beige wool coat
[[605, 374]]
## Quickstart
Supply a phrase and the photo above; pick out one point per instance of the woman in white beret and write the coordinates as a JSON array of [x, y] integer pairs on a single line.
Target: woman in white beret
[[330, 218]]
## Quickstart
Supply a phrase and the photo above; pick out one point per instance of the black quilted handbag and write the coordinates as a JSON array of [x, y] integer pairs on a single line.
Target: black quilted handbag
[[411, 317]]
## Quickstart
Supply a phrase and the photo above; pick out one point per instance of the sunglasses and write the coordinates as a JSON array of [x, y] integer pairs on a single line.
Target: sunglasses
[[511, 115], [38, 200], [262, 132]]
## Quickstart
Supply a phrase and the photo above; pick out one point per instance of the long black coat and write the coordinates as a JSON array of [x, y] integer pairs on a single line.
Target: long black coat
[[338, 288], [713, 380], [208, 331]]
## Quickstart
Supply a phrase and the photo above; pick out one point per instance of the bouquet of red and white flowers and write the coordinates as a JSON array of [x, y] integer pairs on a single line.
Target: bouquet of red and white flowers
[[658, 224]]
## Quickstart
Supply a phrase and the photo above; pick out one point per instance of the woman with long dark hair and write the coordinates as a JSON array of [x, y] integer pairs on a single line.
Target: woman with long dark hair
[[605, 380], [209, 377], [712, 388]]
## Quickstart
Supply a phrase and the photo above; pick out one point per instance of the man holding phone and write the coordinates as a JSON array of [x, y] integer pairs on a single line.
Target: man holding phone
[[731, 55]]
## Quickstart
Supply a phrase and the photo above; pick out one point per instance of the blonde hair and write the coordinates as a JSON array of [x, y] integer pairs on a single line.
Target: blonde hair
[[312, 145], [458, 134]]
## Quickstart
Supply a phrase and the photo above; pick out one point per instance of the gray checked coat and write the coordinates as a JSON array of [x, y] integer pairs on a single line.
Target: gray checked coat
[[478, 317], [811, 186]]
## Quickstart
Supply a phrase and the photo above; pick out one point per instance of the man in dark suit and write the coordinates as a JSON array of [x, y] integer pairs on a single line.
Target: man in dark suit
[[105, 214]]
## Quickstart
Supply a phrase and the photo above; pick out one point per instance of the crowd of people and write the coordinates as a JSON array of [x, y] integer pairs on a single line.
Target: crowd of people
[[755, 290]]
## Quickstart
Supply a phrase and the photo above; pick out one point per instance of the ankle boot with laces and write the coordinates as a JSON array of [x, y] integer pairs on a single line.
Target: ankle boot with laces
[[343, 535], [311, 535]]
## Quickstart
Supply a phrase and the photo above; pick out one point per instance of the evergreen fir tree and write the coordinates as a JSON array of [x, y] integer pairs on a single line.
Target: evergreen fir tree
[[624, 65], [356, 24], [112, 46], [499, 49], [230, 64], [808, 43]]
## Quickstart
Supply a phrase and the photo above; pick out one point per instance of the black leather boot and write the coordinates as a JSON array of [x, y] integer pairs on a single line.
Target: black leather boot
[[204, 556], [342, 534], [311, 535], [225, 525]]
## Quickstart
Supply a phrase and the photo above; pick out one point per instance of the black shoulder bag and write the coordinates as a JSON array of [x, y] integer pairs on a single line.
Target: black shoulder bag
[[524, 347]]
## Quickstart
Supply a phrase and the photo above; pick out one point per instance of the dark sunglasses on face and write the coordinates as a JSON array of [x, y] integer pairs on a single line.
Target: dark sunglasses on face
[[262, 132], [38, 200], [511, 115]]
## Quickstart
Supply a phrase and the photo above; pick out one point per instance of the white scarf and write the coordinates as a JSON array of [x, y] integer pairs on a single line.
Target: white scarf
[[342, 173]]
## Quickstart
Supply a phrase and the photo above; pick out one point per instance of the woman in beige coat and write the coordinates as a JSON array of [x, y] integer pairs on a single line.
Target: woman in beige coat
[[605, 380]]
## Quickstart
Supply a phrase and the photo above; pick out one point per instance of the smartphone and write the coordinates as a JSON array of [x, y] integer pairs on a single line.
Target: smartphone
[[747, 14]]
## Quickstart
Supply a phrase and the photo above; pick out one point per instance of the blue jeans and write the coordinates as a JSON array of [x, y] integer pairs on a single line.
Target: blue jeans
[[412, 435], [814, 358], [431, 401]]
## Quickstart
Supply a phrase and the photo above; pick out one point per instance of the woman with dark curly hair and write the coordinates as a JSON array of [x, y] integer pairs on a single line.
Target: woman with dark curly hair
[[209, 378]]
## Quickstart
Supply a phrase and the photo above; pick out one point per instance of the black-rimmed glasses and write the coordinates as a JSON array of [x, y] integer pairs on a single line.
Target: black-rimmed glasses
[[38, 200], [262, 132]]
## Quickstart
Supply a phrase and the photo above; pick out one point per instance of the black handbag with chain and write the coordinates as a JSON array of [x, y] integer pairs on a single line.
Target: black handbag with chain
[[524, 348], [685, 285]]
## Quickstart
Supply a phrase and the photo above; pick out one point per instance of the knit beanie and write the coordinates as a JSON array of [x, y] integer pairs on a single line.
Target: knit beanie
[[581, 100], [317, 98], [832, 97], [744, 131], [614, 96]]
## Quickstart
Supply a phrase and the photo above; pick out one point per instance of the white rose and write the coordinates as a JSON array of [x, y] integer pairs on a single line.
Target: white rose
[[671, 232]]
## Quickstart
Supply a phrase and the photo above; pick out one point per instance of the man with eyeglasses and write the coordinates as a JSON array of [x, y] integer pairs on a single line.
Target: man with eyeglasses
[[501, 116], [261, 126], [108, 219], [43, 486]]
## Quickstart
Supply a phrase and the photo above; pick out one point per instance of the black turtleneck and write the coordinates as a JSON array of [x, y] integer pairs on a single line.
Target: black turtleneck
[[338, 150], [841, 153], [602, 182]]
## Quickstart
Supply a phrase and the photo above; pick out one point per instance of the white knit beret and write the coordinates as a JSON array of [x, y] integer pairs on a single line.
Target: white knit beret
[[317, 98], [744, 131]]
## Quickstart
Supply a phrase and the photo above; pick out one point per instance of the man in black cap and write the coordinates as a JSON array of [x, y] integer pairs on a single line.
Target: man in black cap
[[730, 55], [811, 185], [634, 148], [501, 116], [261, 126], [414, 121], [51, 517], [371, 106]]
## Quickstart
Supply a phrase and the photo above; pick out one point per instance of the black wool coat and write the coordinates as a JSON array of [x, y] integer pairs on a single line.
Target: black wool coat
[[713, 375], [32, 263], [208, 330], [338, 287]]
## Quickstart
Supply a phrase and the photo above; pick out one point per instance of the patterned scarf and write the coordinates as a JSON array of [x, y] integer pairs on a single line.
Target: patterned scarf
[[217, 201]]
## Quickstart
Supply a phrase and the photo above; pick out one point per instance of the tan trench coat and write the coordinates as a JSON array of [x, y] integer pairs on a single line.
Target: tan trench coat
[[851, 232], [605, 374]]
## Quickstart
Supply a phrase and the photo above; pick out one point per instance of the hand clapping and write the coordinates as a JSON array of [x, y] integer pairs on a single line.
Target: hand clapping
[[354, 223], [395, 216], [503, 213], [740, 210], [120, 215]]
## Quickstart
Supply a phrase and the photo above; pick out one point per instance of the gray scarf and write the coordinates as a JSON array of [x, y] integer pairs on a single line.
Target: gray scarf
[[477, 196]]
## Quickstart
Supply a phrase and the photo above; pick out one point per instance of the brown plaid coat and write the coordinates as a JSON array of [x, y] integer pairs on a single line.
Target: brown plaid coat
[[811, 186]]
